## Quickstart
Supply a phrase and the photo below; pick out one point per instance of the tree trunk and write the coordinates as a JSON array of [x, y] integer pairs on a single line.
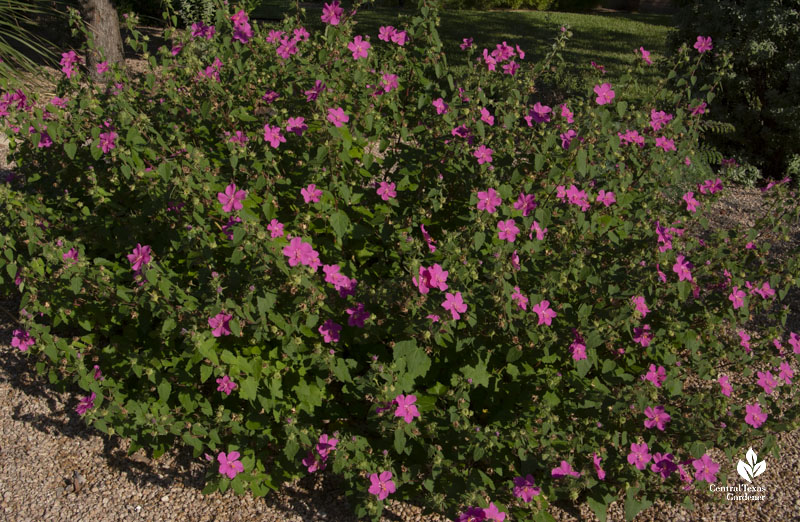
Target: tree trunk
[[101, 17]]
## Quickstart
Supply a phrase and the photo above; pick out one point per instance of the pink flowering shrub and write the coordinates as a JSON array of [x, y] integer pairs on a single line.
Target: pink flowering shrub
[[301, 251]]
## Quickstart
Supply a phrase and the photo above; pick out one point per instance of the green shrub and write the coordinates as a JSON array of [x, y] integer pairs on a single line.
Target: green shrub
[[761, 95], [290, 256]]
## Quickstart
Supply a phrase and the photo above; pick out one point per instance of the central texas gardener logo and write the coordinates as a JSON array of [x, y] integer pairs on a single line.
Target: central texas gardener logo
[[752, 468]]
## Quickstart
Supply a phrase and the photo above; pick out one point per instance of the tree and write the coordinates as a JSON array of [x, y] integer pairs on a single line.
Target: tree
[[101, 18]]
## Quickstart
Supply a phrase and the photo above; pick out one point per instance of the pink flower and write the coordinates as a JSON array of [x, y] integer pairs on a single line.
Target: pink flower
[[606, 198], [540, 113], [578, 347], [483, 154], [231, 199], [385, 33], [767, 381], [296, 125], [466, 43], [330, 331], [359, 47], [454, 304], [139, 257], [646, 56], [493, 513], [22, 340], [639, 456], [275, 228], [71, 254], [794, 340], [766, 292], [545, 313], [564, 470], [657, 376], [486, 116], [786, 373], [107, 141], [381, 485], [658, 119], [510, 68], [273, 136], [566, 138], [656, 417], [524, 488], [691, 203], [567, 114], [700, 109], [744, 339], [604, 94], [521, 300], [472, 514], [400, 38], [389, 82], [725, 385], [641, 305], [229, 465], [488, 200], [526, 203], [682, 268], [540, 232], [428, 239], [337, 117], [664, 465], [325, 445], [754, 416], [736, 297], [358, 315], [387, 191], [440, 106], [102, 68], [270, 96], [68, 60], [331, 13], [311, 193], [665, 144], [703, 44], [507, 230], [642, 335], [601, 474], [86, 404], [201, 30], [242, 31], [226, 385], [98, 375], [406, 408], [220, 324], [705, 469]]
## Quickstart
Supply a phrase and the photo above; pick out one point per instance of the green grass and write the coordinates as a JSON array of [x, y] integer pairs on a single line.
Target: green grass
[[608, 39]]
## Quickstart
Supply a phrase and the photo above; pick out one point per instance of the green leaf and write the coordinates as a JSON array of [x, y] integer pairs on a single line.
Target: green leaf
[[621, 108], [399, 439], [582, 161], [413, 359], [478, 373], [70, 148], [340, 223], [163, 390], [632, 506], [478, 240], [249, 389]]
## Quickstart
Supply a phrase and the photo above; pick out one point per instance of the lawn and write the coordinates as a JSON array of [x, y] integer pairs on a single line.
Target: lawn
[[608, 39]]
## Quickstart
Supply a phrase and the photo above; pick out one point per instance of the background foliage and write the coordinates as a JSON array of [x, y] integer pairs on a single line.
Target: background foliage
[[760, 96]]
